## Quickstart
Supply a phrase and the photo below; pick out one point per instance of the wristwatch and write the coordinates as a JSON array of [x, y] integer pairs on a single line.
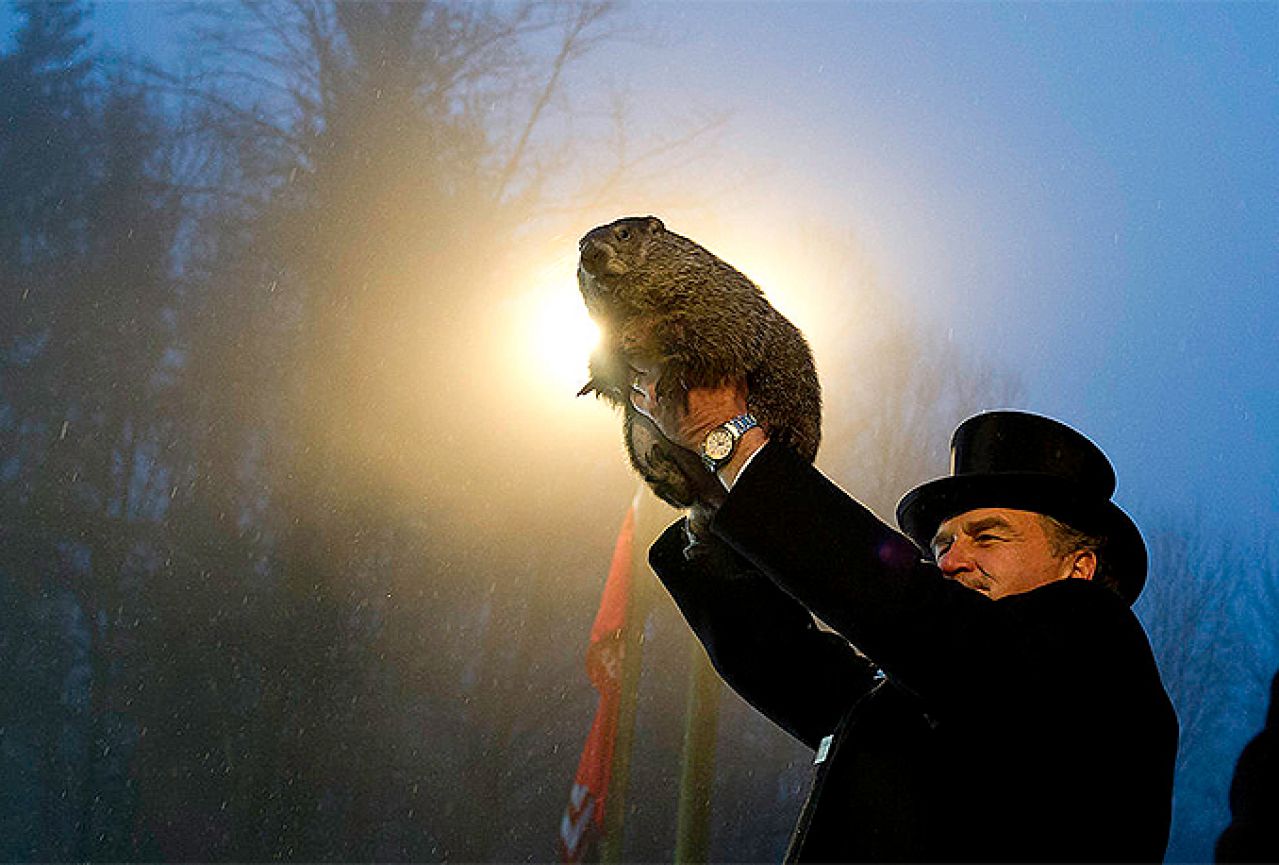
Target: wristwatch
[[719, 444]]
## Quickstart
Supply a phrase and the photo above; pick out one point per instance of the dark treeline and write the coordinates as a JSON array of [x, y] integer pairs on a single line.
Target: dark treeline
[[286, 570], [241, 411]]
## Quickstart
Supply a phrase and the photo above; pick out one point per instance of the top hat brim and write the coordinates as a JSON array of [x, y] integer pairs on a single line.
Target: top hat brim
[[923, 509]]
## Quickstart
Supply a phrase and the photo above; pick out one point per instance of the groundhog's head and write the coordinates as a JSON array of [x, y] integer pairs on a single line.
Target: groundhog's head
[[618, 248]]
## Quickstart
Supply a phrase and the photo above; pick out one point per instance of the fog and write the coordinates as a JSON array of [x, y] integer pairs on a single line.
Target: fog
[[304, 524]]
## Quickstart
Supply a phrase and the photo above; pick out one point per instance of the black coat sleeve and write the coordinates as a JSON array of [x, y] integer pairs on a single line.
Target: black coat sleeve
[[946, 643], [763, 643], [870, 583]]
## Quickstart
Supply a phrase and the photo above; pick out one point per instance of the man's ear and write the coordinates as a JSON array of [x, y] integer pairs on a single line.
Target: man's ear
[[1083, 565]]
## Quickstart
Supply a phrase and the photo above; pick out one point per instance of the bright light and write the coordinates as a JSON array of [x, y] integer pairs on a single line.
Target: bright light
[[551, 336], [564, 336]]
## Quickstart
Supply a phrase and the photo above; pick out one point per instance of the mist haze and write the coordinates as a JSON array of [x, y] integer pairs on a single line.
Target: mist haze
[[304, 525]]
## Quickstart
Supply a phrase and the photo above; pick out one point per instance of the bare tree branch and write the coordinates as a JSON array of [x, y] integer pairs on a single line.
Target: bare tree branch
[[587, 15]]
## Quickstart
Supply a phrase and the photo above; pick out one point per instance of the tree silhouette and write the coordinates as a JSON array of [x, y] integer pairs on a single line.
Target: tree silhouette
[[367, 204], [1210, 609], [87, 232]]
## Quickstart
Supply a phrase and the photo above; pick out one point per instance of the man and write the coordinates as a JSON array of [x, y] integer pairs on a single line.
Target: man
[[994, 699]]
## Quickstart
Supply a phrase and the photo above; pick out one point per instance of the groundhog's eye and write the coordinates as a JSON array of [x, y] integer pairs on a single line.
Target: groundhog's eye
[[623, 234]]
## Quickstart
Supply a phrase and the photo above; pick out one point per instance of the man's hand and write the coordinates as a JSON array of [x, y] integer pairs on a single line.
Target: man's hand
[[703, 408], [686, 422]]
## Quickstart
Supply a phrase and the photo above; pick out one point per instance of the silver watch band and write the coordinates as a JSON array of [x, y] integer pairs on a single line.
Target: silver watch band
[[736, 428], [740, 424]]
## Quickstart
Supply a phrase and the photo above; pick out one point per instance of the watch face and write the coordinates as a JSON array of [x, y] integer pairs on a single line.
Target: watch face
[[719, 444]]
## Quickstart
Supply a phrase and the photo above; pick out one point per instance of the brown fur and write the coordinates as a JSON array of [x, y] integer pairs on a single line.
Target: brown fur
[[661, 296]]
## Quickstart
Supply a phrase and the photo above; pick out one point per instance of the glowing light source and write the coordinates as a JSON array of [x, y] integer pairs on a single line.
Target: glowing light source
[[565, 336], [556, 334]]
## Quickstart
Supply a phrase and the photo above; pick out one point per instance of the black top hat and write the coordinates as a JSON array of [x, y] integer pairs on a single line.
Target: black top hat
[[1013, 459]]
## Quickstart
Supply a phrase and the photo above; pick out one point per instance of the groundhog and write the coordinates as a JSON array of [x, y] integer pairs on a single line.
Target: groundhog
[[658, 295]]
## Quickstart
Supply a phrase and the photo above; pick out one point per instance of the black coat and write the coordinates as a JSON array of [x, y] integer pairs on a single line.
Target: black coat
[[1032, 728]]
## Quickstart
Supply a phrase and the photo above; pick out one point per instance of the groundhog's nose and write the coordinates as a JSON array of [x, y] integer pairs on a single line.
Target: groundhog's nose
[[594, 254]]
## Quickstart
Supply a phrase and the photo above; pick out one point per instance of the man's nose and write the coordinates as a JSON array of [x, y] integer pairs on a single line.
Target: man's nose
[[955, 560]]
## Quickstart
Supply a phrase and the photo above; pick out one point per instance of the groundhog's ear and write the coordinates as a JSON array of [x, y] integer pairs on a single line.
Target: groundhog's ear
[[653, 225]]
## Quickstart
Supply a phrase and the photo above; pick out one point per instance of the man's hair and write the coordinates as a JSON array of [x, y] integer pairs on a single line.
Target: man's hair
[[1064, 539]]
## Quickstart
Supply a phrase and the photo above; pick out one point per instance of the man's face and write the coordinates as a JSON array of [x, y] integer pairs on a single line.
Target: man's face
[[999, 551]]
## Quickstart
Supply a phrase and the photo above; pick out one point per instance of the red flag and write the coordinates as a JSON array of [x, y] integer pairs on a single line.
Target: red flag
[[584, 819]]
